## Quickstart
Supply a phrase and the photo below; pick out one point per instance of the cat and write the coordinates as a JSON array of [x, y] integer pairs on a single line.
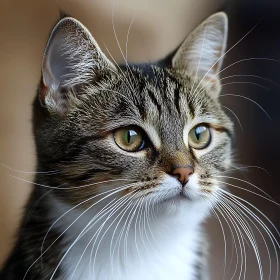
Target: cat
[[127, 159]]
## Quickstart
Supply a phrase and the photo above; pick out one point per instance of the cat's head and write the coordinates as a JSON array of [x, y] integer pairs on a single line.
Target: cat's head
[[155, 131]]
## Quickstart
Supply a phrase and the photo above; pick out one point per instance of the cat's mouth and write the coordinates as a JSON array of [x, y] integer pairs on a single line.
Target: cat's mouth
[[181, 197]]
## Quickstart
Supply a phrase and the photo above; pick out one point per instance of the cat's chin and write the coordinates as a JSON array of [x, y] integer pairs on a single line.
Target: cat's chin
[[184, 197]]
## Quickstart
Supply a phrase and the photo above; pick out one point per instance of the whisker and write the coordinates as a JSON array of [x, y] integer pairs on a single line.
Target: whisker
[[234, 63], [79, 237], [112, 252], [247, 59], [234, 243], [149, 205], [142, 222], [118, 43], [234, 116], [249, 166], [114, 206], [245, 215], [232, 76], [234, 239], [127, 226], [70, 188], [128, 82], [224, 55], [113, 192], [247, 98], [235, 199], [223, 232], [140, 202], [244, 181], [199, 58], [112, 239], [30, 172], [228, 184], [34, 206], [101, 88], [239, 235], [127, 233], [83, 202], [127, 36], [236, 220], [99, 215], [247, 229], [255, 208], [249, 233], [250, 83], [129, 198], [252, 76]]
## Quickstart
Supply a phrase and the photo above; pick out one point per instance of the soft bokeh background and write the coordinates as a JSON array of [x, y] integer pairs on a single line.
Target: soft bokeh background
[[158, 27]]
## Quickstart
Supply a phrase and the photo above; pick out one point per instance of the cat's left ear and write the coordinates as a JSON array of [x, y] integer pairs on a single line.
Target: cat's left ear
[[201, 54], [72, 59]]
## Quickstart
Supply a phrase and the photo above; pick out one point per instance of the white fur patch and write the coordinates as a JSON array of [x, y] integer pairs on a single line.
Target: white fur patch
[[164, 249]]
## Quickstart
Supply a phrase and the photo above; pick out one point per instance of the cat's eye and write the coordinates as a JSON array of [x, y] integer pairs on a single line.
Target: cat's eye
[[199, 137], [130, 139]]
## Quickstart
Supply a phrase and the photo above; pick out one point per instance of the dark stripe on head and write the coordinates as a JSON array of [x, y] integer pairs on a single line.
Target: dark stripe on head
[[177, 100], [165, 98], [155, 101], [138, 102], [192, 111]]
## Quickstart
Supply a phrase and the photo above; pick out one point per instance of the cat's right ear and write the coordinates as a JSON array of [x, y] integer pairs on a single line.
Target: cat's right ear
[[201, 54], [72, 59]]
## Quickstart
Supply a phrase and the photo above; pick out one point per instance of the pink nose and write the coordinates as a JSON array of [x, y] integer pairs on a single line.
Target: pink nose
[[182, 174]]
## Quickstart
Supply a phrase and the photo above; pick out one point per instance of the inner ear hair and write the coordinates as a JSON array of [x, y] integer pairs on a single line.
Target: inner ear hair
[[201, 54], [72, 59]]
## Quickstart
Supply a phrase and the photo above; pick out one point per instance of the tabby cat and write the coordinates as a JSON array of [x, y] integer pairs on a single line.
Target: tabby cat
[[127, 159]]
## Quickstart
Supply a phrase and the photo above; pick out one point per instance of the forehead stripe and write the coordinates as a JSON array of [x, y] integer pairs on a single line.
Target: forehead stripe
[[177, 99], [153, 135], [191, 107], [154, 101]]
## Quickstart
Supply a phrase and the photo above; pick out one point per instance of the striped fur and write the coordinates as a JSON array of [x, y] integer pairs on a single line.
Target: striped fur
[[82, 106]]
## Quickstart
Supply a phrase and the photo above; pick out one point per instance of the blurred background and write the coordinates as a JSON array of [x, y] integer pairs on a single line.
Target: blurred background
[[251, 86]]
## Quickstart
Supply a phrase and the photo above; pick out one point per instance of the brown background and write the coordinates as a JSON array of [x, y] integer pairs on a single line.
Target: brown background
[[158, 27]]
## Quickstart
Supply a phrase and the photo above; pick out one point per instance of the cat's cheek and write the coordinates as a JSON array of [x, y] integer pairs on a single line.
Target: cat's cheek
[[168, 188], [171, 188], [192, 189]]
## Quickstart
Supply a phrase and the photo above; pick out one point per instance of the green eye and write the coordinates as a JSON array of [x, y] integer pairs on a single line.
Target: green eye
[[199, 137], [129, 139]]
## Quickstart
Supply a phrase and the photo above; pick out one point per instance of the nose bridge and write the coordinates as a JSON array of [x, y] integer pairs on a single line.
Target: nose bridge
[[176, 159], [178, 164], [173, 159]]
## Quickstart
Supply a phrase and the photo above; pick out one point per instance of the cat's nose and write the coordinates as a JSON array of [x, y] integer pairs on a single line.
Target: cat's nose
[[182, 173]]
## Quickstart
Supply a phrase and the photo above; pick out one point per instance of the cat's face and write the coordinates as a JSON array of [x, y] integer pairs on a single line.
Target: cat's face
[[152, 131]]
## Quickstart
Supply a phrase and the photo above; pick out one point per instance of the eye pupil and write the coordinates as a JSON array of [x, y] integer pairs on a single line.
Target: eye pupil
[[199, 137], [129, 139], [128, 136], [197, 134]]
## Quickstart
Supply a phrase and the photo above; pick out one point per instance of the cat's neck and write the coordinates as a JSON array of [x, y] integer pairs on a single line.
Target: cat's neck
[[137, 242]]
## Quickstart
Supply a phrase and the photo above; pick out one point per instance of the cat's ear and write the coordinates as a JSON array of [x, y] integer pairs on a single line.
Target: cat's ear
[[201, 54], [71, 60]]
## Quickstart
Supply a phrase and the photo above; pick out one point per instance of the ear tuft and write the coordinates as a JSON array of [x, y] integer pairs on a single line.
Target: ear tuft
[[201, 54], [71, 60]]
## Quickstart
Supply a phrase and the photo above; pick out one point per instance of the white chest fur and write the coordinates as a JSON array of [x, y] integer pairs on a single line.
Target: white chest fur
[[162, 249]]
